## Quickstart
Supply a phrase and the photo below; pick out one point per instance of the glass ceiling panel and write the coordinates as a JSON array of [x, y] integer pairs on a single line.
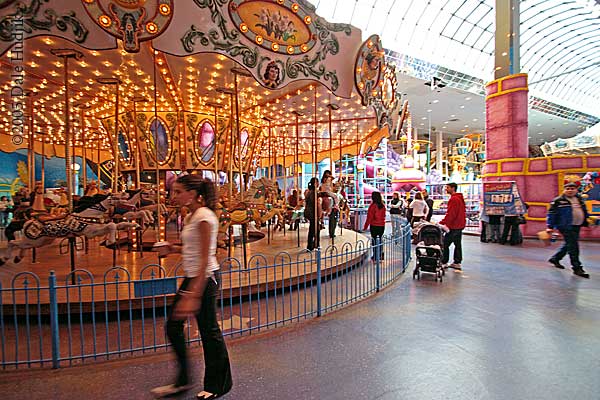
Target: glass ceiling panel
[[558, 38]]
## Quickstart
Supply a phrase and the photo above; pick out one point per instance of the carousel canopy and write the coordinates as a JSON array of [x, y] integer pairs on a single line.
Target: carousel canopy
[[186, 65]]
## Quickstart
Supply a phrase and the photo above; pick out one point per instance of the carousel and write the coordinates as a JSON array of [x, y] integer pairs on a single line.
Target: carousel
[[128, 94]]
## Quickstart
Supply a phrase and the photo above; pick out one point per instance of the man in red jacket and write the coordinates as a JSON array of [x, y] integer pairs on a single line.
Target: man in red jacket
[[455, 219]]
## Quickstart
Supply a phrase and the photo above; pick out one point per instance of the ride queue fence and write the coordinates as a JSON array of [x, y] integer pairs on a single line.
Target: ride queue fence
[[63, 324]]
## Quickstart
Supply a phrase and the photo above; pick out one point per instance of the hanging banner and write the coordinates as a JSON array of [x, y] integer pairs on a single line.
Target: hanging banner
[[502, 198]]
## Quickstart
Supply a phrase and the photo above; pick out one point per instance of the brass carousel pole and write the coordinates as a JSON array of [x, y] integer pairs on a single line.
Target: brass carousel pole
[[215, 107], [331, 108], [297, 155], [43, 173], [228, 91], [269, 162], [241, 72], [155, 121], [265, 118], [82, 108], [315, 152], [138, 150], [31, 141], [115, 140], [67, 54], [98, 165]]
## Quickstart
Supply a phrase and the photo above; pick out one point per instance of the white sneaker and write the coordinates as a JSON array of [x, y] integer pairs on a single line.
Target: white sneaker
[[456, 266], [168, 390]]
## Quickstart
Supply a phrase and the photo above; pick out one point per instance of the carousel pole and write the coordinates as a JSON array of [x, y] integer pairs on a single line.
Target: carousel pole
[[215, 107], [82, 108], [115, 141], [265, 118], [269, 170], [43, 173], [157, 169], [236, 72], [138, 150], [242, 72], [297, 155], [332, 107], [315, 152], [98, 165], [30, 143], [228, 91], [67, 54]]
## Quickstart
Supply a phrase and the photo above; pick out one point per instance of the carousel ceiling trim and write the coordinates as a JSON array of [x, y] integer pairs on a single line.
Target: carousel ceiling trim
[[178, 34], [179, 84]]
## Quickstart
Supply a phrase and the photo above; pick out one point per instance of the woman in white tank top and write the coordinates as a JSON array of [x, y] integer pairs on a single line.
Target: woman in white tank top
[[197, 294]]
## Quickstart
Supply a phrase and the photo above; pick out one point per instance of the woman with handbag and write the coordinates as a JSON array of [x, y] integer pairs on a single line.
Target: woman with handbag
[[197, 294]]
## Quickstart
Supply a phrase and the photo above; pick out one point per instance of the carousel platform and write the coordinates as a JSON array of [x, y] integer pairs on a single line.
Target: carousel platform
[[271, 263]]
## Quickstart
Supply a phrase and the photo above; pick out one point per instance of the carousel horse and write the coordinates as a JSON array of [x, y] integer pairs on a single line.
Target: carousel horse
[[89, 220], [127, 205], [342, 201], [254, 207]]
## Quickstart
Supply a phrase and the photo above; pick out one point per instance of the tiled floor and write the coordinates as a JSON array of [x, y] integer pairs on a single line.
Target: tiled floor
[[509, 327]]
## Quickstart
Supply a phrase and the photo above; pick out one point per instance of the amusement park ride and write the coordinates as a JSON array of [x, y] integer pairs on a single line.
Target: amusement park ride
[[245, 93]]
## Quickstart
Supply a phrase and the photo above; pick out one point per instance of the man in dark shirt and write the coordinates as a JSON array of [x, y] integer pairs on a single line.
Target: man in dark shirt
[[312, 212]]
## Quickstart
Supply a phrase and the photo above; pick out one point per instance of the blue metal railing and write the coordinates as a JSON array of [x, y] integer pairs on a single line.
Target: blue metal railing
[[62, 324]]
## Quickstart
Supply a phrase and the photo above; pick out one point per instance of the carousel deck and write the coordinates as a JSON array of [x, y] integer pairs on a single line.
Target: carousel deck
[[101, 289]]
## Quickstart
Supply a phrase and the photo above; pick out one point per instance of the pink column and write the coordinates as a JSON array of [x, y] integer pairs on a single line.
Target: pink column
[[506, 118]]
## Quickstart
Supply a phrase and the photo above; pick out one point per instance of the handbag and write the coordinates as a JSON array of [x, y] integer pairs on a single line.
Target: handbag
[[521, 220]]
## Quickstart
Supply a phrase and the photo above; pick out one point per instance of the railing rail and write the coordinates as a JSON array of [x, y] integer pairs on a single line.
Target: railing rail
[[105, 318]]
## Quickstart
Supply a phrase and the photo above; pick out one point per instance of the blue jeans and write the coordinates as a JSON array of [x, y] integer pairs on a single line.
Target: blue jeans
[[571, 245], [396, 225]]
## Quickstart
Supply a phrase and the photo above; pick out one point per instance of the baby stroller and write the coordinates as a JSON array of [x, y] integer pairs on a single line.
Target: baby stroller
[[430, 242]]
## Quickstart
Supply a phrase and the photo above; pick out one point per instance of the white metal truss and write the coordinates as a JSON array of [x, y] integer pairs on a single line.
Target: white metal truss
[[560, 39]]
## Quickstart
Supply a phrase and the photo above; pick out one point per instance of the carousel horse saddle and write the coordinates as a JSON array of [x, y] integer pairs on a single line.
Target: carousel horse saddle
[[35, 229]]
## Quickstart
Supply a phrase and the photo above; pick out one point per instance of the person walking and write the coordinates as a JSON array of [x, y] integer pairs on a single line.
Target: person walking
[[568, 214], [456, 220], [419, 208], [429, 202], [6, 206], [495, 221], [396, 210], [198, 292], [312, 212], [293, 203], [376, 220]]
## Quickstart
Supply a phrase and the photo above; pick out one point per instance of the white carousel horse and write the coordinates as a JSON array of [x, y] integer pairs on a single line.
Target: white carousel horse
[[89, 222], [127, 205]]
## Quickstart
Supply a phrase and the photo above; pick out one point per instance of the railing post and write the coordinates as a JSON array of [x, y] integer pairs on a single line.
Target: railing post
[[378, 250], [317, 253], [54, 321]]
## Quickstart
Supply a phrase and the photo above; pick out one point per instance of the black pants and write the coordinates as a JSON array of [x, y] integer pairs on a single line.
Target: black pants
[[217, 372], [333, 220], [376, 235], [453, 236], [313, 235], [13, 227], [510, 232], [483, 234], [571, 245], [414, 220]]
